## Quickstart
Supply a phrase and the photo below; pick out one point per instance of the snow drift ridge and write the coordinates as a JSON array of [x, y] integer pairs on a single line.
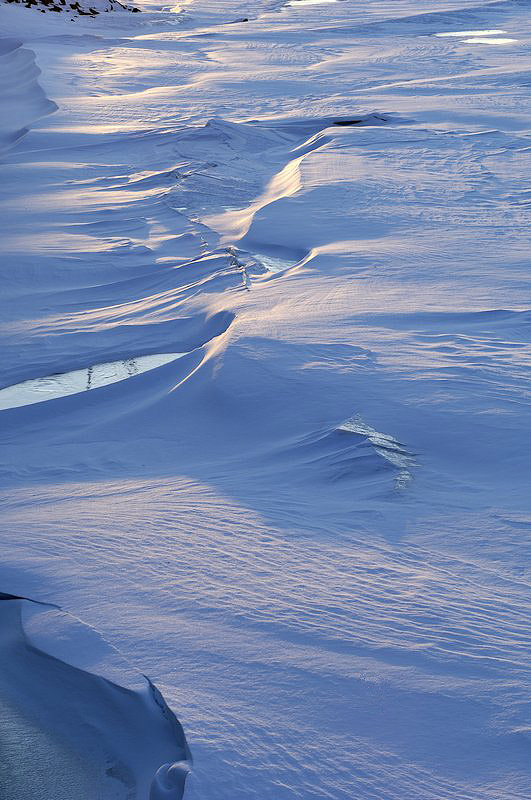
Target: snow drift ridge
[[21, 98], [79, 705]]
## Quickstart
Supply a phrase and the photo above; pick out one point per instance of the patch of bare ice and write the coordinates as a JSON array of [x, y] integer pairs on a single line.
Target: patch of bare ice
[[386, 446], [63, 384]]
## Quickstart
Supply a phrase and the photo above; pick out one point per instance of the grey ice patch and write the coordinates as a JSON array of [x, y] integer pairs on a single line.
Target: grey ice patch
[[272, 263], [64, 384], [490, 32], [490, 36], [386, 446], [273, 258]]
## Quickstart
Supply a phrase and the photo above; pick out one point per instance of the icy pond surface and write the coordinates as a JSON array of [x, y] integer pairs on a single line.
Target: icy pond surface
[[479, 37], [80, 380]]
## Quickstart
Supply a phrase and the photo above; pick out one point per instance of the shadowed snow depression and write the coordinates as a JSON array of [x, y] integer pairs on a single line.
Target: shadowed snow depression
[[265, 340]]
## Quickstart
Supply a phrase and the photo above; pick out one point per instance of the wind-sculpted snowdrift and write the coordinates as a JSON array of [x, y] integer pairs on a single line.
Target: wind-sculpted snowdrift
[[77, 721], [240, 168], [21, 98]]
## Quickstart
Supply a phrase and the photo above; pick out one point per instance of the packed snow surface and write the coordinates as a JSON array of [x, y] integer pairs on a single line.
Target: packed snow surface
[[291, 242]]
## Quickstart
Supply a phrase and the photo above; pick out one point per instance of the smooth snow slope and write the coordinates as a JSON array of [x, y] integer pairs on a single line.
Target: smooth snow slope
[[312, 529]]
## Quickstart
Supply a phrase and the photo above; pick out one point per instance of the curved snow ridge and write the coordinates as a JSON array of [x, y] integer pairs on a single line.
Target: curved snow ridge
[[154, 322], [76, 382], [99, 376], [272, 152], [21, 98], [77, 697]]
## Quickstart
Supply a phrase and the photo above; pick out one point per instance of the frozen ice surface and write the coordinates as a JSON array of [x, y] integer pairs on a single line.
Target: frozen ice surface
[[487, 32], [484, 40], [80, 380], [310, 530], [386, 446]]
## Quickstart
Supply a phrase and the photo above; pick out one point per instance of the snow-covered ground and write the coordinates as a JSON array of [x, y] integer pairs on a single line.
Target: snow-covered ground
[[286, 247]]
